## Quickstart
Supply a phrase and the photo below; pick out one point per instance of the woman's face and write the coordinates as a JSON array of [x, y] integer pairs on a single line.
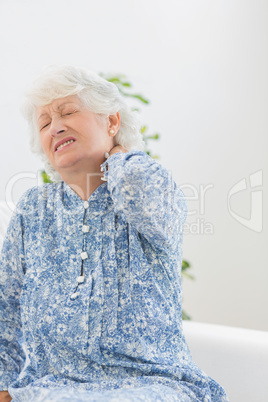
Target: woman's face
[[68, 119]]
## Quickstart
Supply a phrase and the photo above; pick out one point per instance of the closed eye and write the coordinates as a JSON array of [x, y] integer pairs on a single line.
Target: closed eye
[[64, 114], [45, 126], [68, 114]]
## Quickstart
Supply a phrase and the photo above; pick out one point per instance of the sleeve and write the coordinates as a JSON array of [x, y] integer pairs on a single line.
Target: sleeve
[[12, 269], [145, 192]]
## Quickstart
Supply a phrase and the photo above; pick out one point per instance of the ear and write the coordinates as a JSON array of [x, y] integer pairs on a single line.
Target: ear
[[113, 124]]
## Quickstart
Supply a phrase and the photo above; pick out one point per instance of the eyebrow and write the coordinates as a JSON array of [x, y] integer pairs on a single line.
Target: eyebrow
[[58, 108]]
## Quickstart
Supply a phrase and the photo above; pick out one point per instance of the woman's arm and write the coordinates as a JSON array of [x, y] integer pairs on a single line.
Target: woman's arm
[[147, 195], [12, 268]]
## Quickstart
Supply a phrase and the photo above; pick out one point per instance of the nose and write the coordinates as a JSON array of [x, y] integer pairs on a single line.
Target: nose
[[56, 126]]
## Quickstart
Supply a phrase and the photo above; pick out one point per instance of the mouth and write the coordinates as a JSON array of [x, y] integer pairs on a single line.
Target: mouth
[[64, 145]]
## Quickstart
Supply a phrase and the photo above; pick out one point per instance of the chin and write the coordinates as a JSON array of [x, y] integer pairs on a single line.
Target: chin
[[67, 162]]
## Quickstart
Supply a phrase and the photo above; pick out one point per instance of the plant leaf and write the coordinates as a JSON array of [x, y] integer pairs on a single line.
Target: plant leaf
[[45, 177], [185, 316], [136, 96], [188, 275]]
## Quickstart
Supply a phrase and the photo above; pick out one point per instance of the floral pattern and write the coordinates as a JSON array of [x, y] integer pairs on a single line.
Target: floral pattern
[[121, 337]]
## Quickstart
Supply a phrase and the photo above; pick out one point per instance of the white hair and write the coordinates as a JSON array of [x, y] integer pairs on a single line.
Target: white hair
[[97, 94]]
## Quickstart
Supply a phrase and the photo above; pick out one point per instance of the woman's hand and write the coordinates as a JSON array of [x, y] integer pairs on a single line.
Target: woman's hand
[[117, 148], [5, 396], [114, 150]]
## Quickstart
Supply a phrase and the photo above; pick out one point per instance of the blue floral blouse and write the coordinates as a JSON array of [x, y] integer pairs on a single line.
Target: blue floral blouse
[[90, 306]]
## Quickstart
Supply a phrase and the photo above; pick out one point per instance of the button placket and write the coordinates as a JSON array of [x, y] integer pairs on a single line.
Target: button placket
[[84, 255]]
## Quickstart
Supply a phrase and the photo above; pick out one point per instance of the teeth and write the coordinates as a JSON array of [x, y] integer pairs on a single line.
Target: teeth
[[65, 143]]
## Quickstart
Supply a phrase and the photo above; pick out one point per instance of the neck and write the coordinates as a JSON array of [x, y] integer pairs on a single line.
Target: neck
[[85, 186], [83, 181]]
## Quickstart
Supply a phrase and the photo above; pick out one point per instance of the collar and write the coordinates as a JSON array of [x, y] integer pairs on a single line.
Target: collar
[[99, 201]]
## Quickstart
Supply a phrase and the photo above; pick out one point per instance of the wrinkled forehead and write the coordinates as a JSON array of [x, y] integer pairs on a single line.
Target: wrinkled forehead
[[57, 105]]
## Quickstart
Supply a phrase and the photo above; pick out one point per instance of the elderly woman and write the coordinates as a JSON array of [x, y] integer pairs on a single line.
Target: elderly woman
[[90, 266]]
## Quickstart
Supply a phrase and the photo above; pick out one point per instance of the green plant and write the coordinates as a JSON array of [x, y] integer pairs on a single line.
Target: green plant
[[123, 86], [45, 177]]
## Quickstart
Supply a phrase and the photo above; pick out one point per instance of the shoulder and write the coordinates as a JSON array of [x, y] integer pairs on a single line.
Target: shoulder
[[36, 197]]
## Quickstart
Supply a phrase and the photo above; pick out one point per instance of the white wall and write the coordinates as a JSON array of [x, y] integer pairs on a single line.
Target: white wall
[[203, 65]]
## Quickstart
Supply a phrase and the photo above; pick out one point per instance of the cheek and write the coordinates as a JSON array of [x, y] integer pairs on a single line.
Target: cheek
[[92, 133], [45, 143]]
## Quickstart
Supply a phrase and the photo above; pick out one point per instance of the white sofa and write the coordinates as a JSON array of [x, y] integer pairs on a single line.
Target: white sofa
[[235, 357]]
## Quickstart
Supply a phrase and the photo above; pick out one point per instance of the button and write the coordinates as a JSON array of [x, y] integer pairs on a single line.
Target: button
[[86, 204], [85, 228], [74, 296], [84, 255], [80, 279]]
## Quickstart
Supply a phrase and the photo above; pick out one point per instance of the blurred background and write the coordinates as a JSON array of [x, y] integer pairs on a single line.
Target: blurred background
[[203, 65]]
